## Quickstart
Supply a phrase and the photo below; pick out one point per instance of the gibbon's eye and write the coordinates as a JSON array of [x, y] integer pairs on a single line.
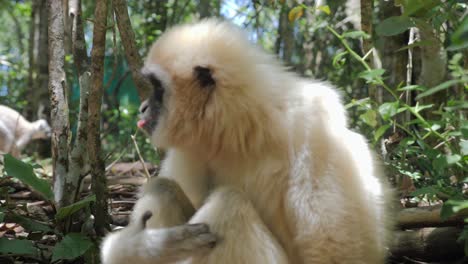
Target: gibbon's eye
[[204, 76], [157, 85]]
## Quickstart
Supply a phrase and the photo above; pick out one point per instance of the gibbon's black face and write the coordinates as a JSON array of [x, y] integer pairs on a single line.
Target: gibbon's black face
[[155, 107], [150, 109]]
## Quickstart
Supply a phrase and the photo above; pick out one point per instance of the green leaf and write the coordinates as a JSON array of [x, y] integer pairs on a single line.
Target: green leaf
[[29, 224], [459, 38], [369, 117], [359, 102], [423, 43], [372, 76], [339, 60], [463, 148], [443, 161], [25, 173], [71, 209], [2, 216], [441, 87], [356, 34], [394, 26], [418, 7], [418, 108], [452, 159], [412, 88], [72, 246], [430, 190], [464, 129], [451, 207], [325, 9], [381, 131], [387, 110], [295, 13], [17, 247]]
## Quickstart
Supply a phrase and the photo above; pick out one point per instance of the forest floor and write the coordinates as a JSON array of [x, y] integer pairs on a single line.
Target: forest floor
[[123, 179]]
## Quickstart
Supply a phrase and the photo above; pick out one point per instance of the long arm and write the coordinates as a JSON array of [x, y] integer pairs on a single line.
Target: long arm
[[136, 244], [189, 173], [157, 232]]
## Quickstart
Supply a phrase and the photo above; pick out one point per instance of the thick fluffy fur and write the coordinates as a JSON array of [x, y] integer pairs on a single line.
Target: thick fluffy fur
[[16, 132], [280, 141]]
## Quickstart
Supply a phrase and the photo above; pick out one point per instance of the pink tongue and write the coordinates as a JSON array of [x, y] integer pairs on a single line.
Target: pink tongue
[[141, 123]]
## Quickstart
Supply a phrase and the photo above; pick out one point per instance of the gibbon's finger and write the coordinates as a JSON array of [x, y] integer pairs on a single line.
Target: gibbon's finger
[[192, 236], [146, 216]]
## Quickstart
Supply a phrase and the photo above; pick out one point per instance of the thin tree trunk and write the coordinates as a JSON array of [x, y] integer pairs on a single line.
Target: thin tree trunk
[[433, 65], [67, 27], [99, 186], [366, 23], [428, 245], [131, 52], [17, 29], [285, 41], [393, 62], [59, 104], [31, 57], [38, 66], [79, 157], [203, 8]]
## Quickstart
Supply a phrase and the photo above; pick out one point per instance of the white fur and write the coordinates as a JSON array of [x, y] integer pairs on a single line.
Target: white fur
[[282, 141], [16, 132]]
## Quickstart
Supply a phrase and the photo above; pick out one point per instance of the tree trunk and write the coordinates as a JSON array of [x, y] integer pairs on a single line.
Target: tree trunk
[[204, 9], [367, 6], [17, 29], [32, 51], [38, 70], [393, 62], [78, 156], [428, 245], [59, 104], [131, 52], [99, 186], [285, 40], [433, 66], [427, 216], [38, 59]]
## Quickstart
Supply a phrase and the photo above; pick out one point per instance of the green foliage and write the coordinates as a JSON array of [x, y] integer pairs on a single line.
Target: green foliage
[[25, 173], [72, 246], [394, 25], [17, 246], [460, 36], [67, 211]]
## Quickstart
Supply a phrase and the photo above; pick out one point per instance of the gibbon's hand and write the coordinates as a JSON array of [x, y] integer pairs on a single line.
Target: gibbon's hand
[[188, 238]]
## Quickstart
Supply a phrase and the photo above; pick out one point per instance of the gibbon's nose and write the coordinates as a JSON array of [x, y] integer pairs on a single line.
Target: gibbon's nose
[[144, 106]]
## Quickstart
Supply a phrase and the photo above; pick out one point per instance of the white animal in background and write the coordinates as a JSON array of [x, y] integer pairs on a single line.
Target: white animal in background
[[265, 157], [16, 132]]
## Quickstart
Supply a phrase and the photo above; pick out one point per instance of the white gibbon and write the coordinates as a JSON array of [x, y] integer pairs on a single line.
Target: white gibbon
[[265, 157], [16, 132]]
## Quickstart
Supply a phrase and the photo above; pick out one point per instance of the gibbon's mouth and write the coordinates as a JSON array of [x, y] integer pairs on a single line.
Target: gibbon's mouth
[[147, 125]]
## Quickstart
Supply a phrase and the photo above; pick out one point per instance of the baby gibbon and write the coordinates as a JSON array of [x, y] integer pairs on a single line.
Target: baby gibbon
[[265, 157], [16, 132]]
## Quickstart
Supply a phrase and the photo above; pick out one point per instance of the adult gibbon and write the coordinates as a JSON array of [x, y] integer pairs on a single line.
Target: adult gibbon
[[16, 132], [264, 156]]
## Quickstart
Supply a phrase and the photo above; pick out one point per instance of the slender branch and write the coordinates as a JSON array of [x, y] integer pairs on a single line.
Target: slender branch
[[98, 178], [148, 176], [131, 52]]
